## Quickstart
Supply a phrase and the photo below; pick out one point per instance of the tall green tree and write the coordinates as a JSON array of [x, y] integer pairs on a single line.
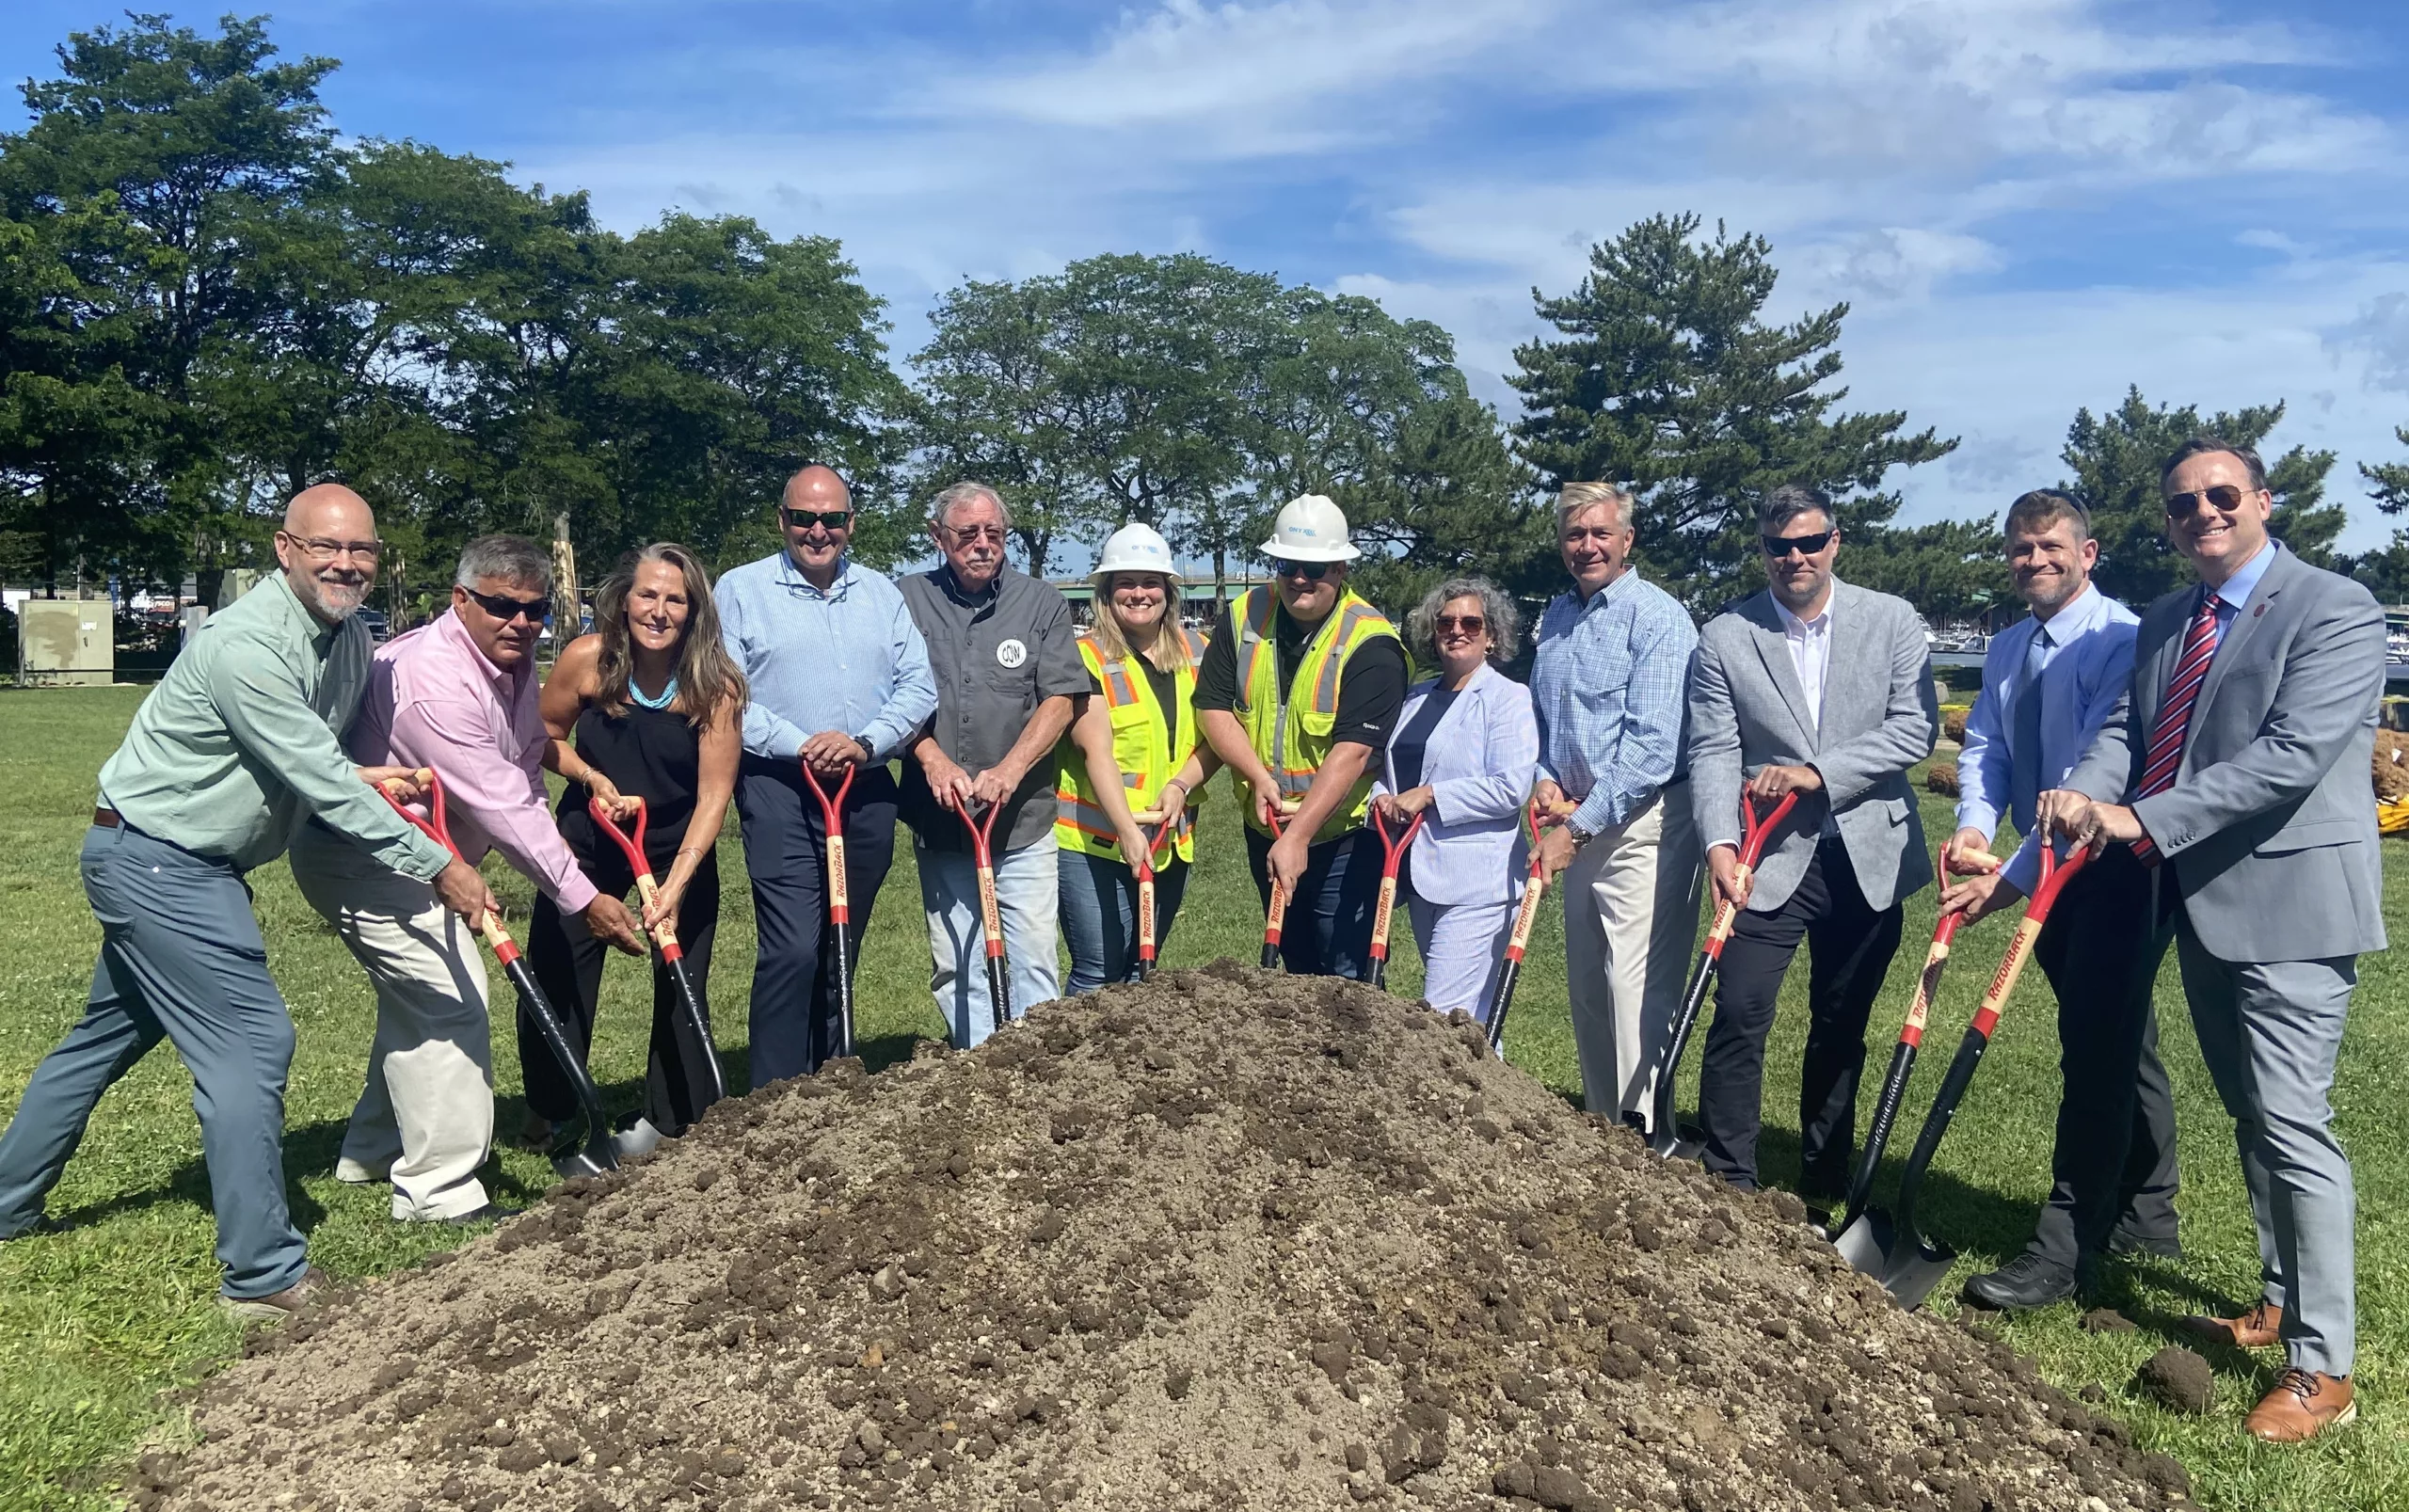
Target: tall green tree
[[2115, 457], [1667, 377], [2385, 569]]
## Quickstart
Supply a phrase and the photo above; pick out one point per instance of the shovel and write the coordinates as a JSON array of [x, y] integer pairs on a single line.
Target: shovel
[[1275, 914], [840, 907], [1683, 1141], [1903, 1060], [1393, 850], [597, 1153], [982, 855], [672, 954], [1887, 1247], [1512, 971], [1146, 898]]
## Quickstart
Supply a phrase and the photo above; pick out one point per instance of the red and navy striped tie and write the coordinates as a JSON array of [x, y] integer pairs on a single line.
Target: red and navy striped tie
[[2175, 715]]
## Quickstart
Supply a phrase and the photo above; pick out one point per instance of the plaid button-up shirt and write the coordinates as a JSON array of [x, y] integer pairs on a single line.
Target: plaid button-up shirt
[[1609, 690]]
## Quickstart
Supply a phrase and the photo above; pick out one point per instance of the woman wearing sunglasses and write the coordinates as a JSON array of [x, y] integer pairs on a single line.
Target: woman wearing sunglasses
[[1465, 751], [1130, 761], [647, 706]]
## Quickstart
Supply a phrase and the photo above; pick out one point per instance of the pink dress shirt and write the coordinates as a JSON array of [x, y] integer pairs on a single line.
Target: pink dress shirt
[[434, 700]]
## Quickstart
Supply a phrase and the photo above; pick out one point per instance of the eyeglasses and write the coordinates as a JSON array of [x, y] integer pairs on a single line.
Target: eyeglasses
[[319, 549], [1461, 624], [1779, 547], [2224, 497], [827, 519], [975, 532], [505, 609], [1309, 571]]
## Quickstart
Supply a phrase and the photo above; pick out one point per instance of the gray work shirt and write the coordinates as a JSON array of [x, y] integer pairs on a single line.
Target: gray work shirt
[[996, 657]]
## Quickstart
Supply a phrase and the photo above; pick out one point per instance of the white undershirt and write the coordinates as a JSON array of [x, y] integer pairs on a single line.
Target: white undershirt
[[1811, 652]]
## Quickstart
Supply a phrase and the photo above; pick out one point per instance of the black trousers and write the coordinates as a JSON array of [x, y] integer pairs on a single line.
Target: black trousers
[[1851, 944], [1328, 930], [566, 963], [2113, 1166], [794, 1013]]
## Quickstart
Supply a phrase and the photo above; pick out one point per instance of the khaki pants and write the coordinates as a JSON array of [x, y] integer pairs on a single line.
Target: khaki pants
[[424, 1120], [1631, 900]]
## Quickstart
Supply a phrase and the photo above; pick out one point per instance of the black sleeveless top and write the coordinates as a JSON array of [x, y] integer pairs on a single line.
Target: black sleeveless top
[[651, 754]]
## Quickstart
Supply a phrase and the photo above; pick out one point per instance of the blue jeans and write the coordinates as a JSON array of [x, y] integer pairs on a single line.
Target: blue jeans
[[181, 960], [1329, 929], [1100, 916], [1026, 896]]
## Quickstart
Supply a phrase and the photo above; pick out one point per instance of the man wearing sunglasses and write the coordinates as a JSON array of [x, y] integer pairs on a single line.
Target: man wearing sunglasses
[[1824, 689], [839, 678], [2235, 769], [457, 695], [238, 743], [1301, 686]]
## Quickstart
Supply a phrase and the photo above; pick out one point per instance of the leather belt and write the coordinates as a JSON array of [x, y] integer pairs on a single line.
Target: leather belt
[[105, 819]]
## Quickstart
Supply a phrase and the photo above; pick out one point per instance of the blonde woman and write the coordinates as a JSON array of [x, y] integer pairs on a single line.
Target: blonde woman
[[1132, 756], [655, 707]]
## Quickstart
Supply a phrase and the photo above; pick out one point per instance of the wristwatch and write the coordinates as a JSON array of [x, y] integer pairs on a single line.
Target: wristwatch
[[1580, 835], [870, 752]]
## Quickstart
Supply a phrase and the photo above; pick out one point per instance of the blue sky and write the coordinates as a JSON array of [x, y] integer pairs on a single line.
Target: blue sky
[[2029, 203]]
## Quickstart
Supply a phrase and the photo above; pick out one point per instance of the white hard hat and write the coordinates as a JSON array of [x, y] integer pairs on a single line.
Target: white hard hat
[[1310, 529], [1135, 548]]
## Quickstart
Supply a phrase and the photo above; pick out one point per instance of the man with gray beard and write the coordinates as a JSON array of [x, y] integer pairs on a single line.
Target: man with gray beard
[[237, 747]]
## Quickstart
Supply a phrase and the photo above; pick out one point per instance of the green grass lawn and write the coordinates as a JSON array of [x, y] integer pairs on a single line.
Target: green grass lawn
[[96, 1320]]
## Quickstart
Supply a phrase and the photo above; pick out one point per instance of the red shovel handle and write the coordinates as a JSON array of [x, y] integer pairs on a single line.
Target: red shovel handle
[[982, 830], [638, 864], [2055, 874], [434, 827], [1754, 833]]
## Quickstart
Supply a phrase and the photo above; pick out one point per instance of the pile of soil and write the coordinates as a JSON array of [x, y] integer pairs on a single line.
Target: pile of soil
[[1228, 1240]]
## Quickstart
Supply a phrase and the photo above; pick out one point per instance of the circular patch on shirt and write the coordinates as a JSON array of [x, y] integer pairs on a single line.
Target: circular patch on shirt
[[1012, 654]]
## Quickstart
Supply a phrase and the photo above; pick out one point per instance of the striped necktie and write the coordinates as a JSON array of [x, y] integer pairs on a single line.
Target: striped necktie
[[2175, 715]]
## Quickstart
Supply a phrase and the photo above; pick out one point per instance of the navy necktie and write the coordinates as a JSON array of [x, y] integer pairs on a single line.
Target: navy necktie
[[2024, 739]]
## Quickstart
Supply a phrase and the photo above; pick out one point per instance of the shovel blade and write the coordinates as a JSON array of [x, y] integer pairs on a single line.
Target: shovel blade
[[1907, 1265], [1683, 1141]]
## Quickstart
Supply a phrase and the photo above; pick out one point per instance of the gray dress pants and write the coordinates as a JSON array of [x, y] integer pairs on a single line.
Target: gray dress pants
[[181, 959]]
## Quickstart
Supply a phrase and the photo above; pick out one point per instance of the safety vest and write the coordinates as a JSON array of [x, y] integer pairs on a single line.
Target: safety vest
[[1140, 725], [1289, 728]]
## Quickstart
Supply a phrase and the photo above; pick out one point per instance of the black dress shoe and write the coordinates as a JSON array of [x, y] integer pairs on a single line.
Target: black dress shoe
[[2025, 1283], [2126, 1242]]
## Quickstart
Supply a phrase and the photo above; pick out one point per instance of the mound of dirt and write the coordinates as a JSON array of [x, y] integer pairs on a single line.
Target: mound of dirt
[[1228, 1240]]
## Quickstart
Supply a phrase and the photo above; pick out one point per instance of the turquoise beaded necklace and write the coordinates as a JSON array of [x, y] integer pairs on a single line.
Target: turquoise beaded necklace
[[668, 694]]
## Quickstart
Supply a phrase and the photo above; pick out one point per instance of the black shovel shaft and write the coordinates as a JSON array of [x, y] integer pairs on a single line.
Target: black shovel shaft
[[700, 1023], [1886, 1113], [1684, 1020], [1507, 975], [999, 993], [1936, 1126], [599, 1148], [841, 934]]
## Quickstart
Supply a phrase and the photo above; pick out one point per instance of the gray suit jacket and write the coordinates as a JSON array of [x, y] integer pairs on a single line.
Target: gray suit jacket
[[1748, 711], [2269, 827]]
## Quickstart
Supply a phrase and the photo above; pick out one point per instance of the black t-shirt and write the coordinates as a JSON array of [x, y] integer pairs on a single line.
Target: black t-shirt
[[1370, 694], [1412, 743]]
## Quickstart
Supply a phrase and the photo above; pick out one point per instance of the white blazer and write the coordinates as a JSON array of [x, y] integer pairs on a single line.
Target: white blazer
[[1479, 766]]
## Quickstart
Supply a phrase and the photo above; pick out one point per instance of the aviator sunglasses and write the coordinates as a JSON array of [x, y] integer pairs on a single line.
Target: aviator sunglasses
[[1459, 624], [2224, 497]]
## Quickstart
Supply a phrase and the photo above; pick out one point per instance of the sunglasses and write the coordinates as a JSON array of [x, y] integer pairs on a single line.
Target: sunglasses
[[1461, 624], [802, 519], [1309, 571], [2224, 497], [505, 609], [1779, 547]]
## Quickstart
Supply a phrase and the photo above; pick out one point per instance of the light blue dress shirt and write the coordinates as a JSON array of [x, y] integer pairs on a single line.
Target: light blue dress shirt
[[850, 659], [2082, 670], [1609, 688], [2238, 588]]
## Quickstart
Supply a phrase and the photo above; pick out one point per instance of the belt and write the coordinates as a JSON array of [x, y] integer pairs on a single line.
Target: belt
[[105, 819]]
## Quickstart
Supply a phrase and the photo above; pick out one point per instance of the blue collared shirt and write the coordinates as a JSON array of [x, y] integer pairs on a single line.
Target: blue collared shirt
[[1608, 689], [2238, 588], [849, 658], [2084, 667]]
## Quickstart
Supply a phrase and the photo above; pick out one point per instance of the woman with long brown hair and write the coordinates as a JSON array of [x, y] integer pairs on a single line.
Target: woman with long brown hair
[[655, 707]]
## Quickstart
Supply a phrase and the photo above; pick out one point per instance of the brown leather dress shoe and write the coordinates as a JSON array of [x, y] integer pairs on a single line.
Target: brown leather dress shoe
[[278, 1306], [2258, 1328], [2303, 1404]]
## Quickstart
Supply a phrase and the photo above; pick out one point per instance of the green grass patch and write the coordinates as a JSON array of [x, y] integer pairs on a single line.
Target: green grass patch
[[98, 1321]]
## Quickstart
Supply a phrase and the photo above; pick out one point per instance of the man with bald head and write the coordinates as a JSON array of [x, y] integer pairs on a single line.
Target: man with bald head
[[234, 749], [840, 681]]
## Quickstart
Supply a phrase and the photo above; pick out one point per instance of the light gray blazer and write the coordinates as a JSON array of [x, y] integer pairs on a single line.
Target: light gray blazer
[[2269, 827], [1482, 757], [1747, 710]]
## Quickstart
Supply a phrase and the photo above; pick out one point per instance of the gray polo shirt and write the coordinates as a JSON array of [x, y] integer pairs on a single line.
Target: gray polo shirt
[[996, 657]]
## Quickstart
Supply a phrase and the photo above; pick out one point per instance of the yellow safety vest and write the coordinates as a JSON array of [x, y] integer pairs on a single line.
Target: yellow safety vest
[[1289, 728], [1140, 727]]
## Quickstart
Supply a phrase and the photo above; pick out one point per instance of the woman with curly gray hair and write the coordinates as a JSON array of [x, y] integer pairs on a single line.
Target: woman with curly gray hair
[[1465, 749]]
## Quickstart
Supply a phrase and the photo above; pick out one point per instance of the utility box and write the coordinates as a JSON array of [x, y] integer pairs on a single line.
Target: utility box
[[66, 642]]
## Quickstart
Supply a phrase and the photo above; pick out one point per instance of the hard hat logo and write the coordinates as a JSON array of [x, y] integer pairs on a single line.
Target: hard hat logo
[[1310, 528], [1133, 548]]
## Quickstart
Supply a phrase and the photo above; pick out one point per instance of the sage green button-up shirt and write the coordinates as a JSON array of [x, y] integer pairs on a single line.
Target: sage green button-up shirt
[[240, 742]]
